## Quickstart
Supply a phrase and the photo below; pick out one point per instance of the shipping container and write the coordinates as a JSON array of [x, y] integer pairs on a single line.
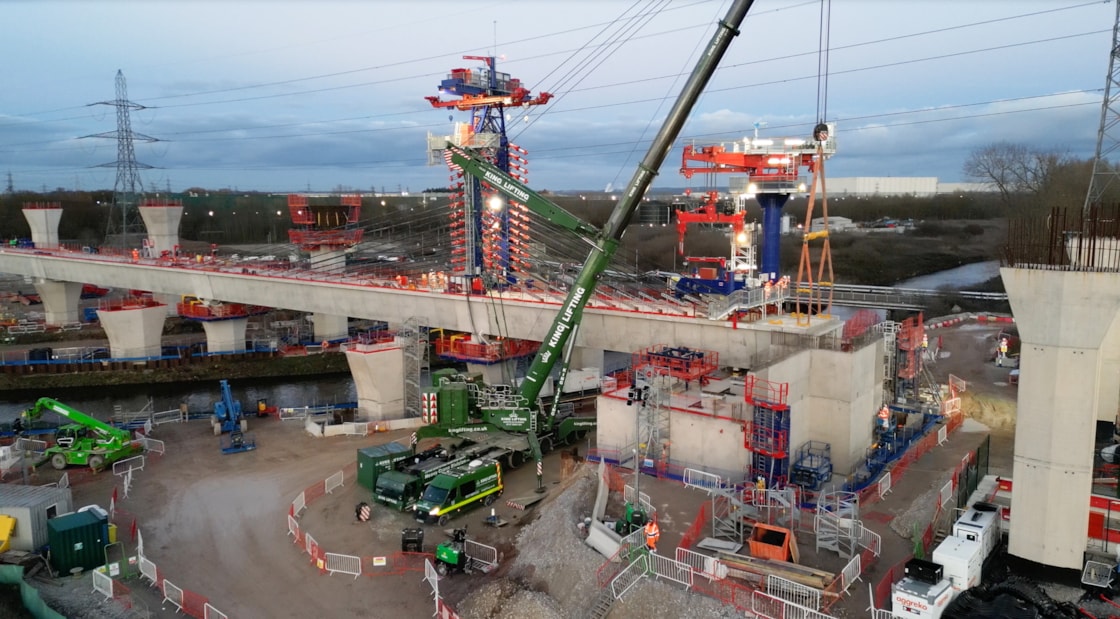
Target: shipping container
[[32, 507], [372, 461], [78, 541]]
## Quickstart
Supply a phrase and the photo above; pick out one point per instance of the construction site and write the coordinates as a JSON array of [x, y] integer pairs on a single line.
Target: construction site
[[542, 431]]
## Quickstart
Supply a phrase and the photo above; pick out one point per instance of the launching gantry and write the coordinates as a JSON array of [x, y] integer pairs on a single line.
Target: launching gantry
[[773, 167]]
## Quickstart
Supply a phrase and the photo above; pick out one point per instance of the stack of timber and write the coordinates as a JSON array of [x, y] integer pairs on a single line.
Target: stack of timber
[[755, 571]]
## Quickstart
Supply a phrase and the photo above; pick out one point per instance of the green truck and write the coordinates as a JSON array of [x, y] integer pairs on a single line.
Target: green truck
[[400, 488], [459, 488]]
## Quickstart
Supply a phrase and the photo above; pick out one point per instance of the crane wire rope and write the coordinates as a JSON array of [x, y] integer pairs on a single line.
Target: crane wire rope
[[822, 60]]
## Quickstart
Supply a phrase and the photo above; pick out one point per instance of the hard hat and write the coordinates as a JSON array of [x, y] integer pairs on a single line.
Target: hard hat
[[759, 478]]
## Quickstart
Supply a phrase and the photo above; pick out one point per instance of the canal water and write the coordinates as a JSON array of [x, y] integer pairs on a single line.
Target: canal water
[[200, 396]]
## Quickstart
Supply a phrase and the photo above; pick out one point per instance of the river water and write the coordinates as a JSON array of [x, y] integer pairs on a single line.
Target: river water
[[200, 397], [960, 277]]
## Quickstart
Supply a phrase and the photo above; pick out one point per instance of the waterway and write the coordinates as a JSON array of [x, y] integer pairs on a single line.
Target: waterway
[[200, 397], [960, 277]]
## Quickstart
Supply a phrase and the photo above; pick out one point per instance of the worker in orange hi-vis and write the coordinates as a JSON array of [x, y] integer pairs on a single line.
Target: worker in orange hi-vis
[[884, 418], [653, 533]]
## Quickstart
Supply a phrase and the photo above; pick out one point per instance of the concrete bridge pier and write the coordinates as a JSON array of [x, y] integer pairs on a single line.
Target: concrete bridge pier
[[134, 331], [225, 335], [378, 371], [161, 219], [43, 219], [1068, 326], [60, 301], [329, 327]]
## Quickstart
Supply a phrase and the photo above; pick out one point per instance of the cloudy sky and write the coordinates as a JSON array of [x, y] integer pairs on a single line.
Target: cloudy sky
[[291, 96]]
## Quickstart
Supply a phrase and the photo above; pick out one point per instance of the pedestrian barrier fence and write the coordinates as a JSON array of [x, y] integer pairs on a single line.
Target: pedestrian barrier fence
[[153, 445], [209, 612], [629, 576], [630, 495], [946, 493], [702, 480], [64, 481], [334, 481], [356, 428], [173, 594], [346, 564], [31, 446], [942, 435], [481, 553], [702, 564], [103, 584], [169, 416], [869, 539], [309, 544], [432, 576], [293, 527], [135, 463], [790, 591], [299, 504], [851, 573], [664, 567], [884, 484], [148, 570], [770, 607]]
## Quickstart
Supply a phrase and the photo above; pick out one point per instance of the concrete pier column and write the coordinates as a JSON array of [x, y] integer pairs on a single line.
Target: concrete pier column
[[328, 327], [378, 371], [161, 219], [225, 335], [1065, 318], [133, 331], [60, 301], [43, 219]]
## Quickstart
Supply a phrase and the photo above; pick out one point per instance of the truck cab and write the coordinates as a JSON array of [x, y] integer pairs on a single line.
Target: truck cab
[[398, 489], [458, 488]]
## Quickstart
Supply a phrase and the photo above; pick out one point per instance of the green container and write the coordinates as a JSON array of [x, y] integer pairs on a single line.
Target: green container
[[454, 404], [373, 461], [77, 540]]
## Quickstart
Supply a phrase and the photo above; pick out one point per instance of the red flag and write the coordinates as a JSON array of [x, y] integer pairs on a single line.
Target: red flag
[[132, 530], [114, 494]]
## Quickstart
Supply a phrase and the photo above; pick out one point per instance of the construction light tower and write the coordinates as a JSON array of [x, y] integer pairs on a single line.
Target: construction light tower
[[772, 166], [1108, 134], [490, 239], [124, 214]]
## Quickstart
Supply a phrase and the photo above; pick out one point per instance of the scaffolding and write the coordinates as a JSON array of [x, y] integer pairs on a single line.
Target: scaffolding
[[413, 336], [767, 433], [681, 362], [651, 392]]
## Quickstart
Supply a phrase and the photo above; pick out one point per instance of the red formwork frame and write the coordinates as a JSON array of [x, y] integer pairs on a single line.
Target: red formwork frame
[[759, 391], [685, 369]]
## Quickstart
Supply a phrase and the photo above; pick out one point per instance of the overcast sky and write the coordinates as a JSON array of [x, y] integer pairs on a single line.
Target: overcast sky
[[287, 96]]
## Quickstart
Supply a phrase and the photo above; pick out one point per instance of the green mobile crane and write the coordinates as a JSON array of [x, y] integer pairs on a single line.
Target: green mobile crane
[[86, 441], [467, 408]]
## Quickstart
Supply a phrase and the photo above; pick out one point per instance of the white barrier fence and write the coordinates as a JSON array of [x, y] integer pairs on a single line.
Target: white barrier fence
[[630, 495], [333, 482], [148, 570], [103, 584], [702, 480], [357, 428], [299, 504], [629, 577], [345, 564], [794, 592], [309, 544], [153, 445], [884, 484], [135, 463], [946, 492], [209, 612], [702, 564], [942, 435], [851, 573], [869, 539], [770, 607], [293, 527], [676, 571], [173, 594], [487, 555]]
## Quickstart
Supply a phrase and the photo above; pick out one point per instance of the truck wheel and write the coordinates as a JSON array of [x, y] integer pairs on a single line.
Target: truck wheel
[[58, 461], [96, 462], [489, 500], [443, 520], [546, 445], [516, 458], [441, 568]]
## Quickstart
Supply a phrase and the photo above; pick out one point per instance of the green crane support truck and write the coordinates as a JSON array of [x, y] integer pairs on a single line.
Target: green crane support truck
[[85, 442]]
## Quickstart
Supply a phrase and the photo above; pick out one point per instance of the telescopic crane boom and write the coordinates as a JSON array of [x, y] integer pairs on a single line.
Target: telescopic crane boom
[[605, 241]]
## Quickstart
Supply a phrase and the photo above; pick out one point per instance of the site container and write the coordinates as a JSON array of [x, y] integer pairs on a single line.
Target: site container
[[914, 599], [980, 524], [372, 461], [32, 507], [78, 540]]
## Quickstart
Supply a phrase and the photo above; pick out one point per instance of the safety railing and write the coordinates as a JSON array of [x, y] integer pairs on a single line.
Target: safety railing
[[333, 482], [794, 592], [884, 484], [209, 612], [771, 607], [668, 568], [702, 480], [629, 576], [852, 571], [481, 553], [172, 595], [103, 584], [343, 564], [135, 463], [869, 539]]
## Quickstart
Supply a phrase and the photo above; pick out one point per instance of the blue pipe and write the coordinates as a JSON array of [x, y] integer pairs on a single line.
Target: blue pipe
[[771, 234]]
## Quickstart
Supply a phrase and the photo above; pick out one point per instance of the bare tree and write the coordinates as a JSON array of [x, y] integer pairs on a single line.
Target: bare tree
[[1018, 171]]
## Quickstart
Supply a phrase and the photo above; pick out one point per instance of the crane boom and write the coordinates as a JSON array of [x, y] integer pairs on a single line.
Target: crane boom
[[606, 240], [44, 404]]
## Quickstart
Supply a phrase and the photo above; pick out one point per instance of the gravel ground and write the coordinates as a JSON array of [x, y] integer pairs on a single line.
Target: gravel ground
[[75, 598]]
